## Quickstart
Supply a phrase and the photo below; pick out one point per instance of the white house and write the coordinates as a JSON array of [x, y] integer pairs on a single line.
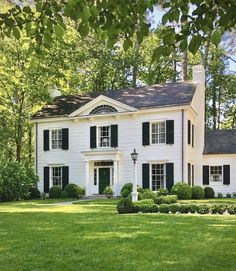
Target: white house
[[88, 139]]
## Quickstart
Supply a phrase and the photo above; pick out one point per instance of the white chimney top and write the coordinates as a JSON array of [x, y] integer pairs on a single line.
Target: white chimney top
[[199, 73], [54, 92]]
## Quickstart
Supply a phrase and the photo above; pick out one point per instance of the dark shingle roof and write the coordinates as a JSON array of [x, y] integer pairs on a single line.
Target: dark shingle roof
[[180, 93], [220, 142]]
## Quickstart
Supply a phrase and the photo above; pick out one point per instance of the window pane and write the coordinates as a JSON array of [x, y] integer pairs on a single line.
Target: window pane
[[57, 176], [158, 176], [158, 132], [104, 136], [216, 173], [56, 139]]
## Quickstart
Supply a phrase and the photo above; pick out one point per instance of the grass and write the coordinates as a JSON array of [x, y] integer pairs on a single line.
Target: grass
[[210, 201], [90, 235]]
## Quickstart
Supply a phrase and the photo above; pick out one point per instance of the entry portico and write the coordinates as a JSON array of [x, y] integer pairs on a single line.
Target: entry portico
[[102, 169]]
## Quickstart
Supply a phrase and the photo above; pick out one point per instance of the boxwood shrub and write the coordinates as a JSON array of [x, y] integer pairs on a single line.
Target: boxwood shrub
[[166, 199], [71, 189], [231, 209], [209, 192], [125, 206], [145, 201], [149, 194], [64, 195], [164, 208], [145, 208], [198, 192], [203, 209], [218, 209], [55, 192], [174, 208], [34, 193], [182, 190]]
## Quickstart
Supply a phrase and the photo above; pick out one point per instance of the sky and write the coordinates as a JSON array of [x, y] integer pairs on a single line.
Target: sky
[[156, 19]]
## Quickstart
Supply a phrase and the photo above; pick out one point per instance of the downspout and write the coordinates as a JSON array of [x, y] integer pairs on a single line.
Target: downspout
[[182, 145]]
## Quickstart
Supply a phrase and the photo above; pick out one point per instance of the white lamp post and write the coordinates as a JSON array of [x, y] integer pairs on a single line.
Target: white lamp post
[[134, 156]]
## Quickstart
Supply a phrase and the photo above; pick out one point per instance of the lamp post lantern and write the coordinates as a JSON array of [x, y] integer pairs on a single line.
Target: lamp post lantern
[[134, 156]]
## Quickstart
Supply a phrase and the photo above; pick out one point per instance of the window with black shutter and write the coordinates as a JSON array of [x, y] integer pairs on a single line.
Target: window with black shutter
[[146, 133], [170, 132], [65, 138], [46, 140], [189, 173], [205, 173], [189, 132], [93, 137], [192, 135], [46, 177], [169, 175], [114, 136], [145, 175], [192, 175], [65, 176], [226, 174]]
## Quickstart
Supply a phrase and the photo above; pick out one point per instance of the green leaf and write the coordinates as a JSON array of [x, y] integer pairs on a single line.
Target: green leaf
[[86, 13], [158, 52], [93, 10], [59, 30], [127, 44], [183, 45], [16, 33], [84, 30], [216, 38], [27, 9], [195, 44]]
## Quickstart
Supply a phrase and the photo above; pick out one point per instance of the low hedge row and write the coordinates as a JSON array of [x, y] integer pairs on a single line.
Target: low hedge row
[[126, 206]]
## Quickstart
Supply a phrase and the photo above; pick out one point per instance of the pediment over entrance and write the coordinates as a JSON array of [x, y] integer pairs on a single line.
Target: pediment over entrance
[[102, 155], [102, 105]]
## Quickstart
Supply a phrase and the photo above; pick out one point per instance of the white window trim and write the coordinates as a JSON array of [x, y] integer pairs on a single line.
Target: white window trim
[[150, 174], [50, 139], [97, 136], [150, 131], [222, 176]]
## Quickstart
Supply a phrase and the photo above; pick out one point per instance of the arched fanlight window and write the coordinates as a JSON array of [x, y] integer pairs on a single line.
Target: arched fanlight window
[[103, 109]]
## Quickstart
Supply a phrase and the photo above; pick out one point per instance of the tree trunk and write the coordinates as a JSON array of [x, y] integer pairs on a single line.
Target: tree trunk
[[185, 65], [135, 64], [214, 110]]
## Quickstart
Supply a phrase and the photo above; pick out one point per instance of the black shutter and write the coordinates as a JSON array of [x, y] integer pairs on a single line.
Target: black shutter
[[205, 171], [46, 179], [93, 137], [65, 139], [226, 174], [46, 140], [192, 135], [192, 175], [189, 132], [65, 176], [114, 136], [146, 133], [189, 173], [169, 175], [146, 177], [170, 132]]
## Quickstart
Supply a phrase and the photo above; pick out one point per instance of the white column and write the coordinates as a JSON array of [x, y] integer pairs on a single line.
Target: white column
[[135, 193], [115, 181], [87, 177]]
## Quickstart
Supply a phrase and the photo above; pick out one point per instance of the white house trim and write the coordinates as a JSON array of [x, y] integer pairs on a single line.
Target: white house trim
[[103, 99]]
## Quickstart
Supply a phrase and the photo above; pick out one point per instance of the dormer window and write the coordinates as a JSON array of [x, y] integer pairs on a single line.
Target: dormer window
[[103, 109]]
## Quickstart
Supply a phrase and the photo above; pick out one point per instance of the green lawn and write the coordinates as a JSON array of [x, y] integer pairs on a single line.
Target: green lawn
[[92, 236]]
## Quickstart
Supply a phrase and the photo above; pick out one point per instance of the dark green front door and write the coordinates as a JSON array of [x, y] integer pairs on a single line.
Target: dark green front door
[[104, 179]]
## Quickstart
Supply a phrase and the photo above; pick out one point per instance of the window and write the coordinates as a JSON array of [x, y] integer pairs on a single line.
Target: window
[[158, 132], [103, 163], [57, 176], [158, 176], [104, 136], [95, 177], [216, 174], [56, 136], [189, 174], [103, 109]]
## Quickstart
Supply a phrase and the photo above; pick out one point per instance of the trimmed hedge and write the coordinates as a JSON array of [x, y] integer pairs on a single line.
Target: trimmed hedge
[[198, 192], [145, 201], [166, 199], [182, 190], [145, 208], [125, 205], [72, 190]]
